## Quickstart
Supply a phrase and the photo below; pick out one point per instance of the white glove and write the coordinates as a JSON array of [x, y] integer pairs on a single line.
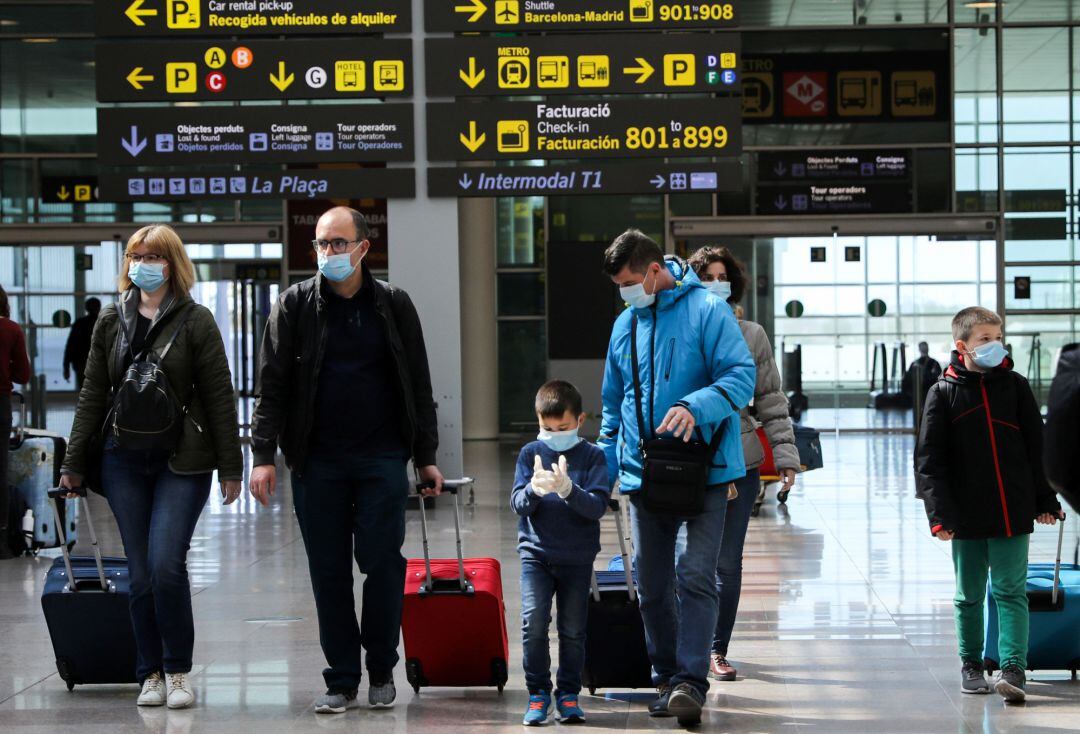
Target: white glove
[[543, 481], [562, 482]]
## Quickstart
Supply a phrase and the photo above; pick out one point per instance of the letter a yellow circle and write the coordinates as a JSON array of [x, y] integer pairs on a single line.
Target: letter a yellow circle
[[215, 57]]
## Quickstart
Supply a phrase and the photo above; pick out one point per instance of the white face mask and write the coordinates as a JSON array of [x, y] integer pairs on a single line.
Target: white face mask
[[636, 295], [721, 288]]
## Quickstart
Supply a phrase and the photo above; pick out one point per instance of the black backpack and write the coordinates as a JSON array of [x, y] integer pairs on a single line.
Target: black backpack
[[145, 413]]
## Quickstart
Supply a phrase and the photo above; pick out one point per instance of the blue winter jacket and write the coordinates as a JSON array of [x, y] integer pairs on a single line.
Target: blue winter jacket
[[691, 352]]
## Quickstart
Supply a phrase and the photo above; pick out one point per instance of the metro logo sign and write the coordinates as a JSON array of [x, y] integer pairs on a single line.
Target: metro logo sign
[[806, 94]]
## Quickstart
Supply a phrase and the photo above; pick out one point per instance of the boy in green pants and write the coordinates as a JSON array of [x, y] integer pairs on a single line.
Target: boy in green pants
[[978, 470]]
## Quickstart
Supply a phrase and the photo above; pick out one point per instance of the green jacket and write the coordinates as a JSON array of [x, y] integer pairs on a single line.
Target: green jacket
[[198, 373]]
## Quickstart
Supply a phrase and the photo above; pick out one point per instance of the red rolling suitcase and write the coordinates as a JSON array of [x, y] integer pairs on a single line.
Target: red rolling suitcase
[[466, 593]]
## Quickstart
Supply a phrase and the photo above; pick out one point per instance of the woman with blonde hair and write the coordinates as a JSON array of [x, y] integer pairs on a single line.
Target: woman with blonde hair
[[157, 345]]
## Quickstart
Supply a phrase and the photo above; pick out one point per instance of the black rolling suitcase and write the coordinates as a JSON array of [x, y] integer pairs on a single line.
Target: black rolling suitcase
[[85, 602], [615, 651]]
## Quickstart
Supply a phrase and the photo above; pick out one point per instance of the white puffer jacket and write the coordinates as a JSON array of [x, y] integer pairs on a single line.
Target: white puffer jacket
[[770, 406]]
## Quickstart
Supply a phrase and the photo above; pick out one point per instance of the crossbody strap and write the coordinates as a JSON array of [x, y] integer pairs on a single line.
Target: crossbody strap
[[176, 332]]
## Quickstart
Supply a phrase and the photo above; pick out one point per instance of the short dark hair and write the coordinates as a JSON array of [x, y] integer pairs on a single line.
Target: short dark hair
[[632, 248], [736, 270], [360, 222], [555, 397], [93, 305]]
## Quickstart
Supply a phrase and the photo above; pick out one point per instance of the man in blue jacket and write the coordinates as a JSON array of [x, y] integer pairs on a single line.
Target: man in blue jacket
[[695, 370]]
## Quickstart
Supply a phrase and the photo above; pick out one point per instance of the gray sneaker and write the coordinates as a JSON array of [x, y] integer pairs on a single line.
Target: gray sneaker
[[658, 707], [381, 695], [685, 704], [336, 702], [972, 679], [1010, 684]]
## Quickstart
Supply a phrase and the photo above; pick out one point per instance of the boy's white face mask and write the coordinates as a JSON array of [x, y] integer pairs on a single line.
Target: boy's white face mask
[[559, 440]]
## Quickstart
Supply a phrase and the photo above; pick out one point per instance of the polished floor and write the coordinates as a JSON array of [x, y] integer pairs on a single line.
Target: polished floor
[[845, 626]]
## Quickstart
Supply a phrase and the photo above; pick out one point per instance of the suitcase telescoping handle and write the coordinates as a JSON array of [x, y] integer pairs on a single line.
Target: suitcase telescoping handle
[[1057, 562], [57, 496], [624, 550], [461, 584]]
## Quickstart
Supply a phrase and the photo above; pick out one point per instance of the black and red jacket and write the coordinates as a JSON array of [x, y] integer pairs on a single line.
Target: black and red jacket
[[978, 462]]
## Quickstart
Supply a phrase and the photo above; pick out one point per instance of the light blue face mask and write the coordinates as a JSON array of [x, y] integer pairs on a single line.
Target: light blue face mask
[[559, 440], [989, 356], [147, 277], [721, 288], [337, 267]]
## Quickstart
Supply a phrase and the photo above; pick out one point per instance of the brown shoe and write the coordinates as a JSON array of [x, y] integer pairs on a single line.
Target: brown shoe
[[720, 668]]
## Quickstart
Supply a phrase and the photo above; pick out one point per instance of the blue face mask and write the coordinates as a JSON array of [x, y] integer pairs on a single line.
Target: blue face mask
[[337, 267], [721, 288], [989, 356], [147, 277], [559, 440]]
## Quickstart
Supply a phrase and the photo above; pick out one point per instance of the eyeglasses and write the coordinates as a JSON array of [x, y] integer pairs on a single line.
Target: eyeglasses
[[149, 259], [338, 246]]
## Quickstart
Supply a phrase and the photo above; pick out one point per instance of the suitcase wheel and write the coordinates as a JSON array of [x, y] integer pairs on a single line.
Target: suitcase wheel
[[415, 674], [592, 691], [499, 673], [71, 685], [756, 510], [782, 496], [990, 665]]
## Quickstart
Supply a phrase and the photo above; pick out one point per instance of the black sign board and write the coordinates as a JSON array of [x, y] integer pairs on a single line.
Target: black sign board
[[1022, 287], [605, 178], [647, 63], [853, 165], [69, 189], [1016, 200], [584, 15], [667, 128], [163, 71], [307, 134], [1033, 229], [834, 197], [292, 184], [179, 18]]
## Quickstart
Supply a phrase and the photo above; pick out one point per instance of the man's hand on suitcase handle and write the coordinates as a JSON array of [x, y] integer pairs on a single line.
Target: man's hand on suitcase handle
[[1050, 518], [74, 484], [431, 480]]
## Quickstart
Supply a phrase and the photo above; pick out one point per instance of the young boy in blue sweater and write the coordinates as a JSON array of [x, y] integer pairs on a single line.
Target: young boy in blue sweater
[[560, 493]]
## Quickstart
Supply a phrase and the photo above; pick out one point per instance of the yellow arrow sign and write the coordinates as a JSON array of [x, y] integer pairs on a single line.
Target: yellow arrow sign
[[281, 80], [135, 13], [476, 7], [136, 78], [471, 141], [472, 77], [644, 70], [63, 194]]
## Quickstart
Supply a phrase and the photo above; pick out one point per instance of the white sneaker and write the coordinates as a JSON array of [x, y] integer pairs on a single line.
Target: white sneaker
[[180, 695], [153, 691]]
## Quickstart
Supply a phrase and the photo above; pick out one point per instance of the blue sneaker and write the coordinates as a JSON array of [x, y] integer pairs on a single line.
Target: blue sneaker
[[569, 712], [537, 713]]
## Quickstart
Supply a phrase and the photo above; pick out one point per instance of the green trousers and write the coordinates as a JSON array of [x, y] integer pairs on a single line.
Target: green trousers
[[1005, 560]]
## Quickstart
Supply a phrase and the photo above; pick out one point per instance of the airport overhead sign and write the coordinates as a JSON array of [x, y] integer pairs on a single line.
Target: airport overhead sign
[[443, 16], [69, 189], [835, 197], [166, 136], [664, 128], [647, 63], [180, 18], [166, 71], [293, 184], [816, 165]]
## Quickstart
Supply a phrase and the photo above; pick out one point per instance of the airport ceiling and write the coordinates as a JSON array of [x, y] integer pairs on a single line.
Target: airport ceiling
[[45, 73]]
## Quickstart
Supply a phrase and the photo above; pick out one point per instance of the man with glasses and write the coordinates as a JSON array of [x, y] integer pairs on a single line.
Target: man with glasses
[[344, 390]]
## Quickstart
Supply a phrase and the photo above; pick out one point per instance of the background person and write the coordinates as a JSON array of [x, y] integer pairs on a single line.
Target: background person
[[14, 368], [77, 348]]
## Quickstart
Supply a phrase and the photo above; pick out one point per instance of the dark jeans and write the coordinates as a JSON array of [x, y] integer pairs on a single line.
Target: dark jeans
[[355, 506], [729, 564], [570, 586], [156, 511]]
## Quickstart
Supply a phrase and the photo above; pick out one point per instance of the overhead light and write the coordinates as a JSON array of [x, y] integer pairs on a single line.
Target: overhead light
[[39, 40], [7, 22], [984, 4]]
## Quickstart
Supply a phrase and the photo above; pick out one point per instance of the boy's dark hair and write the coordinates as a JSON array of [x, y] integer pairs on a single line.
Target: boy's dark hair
[[736, 271], [632, 248], [967, 319], [556, 397]]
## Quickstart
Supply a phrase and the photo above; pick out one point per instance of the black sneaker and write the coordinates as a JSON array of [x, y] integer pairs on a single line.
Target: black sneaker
[[972, 679], [1010, 684], [659, 707], [685, 704]]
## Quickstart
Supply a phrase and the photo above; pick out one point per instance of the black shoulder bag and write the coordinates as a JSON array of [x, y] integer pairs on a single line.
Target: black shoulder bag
[[674, 473], [145, 413]]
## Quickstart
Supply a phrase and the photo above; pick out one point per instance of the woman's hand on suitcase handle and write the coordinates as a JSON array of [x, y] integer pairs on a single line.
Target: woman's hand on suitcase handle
[[230, 490], [262, 483], [1050, 518], [70, 481], [787, 479]]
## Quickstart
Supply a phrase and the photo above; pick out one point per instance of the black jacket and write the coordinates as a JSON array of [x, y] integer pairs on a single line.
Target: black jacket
[[978, 462], [979, 459], [1061, 454], [77, 349], [291, 357]]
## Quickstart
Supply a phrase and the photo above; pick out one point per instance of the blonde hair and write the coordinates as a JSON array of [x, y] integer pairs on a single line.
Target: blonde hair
[[162, 240]]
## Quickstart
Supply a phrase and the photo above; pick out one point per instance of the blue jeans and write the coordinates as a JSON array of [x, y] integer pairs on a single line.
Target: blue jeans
[[156, 511], [729, 565], [677, 590], [570, 586], [354, 507]]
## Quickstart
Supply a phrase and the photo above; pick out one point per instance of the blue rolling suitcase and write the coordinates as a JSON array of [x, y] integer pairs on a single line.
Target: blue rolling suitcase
[[1053, 591], [85, 602], [615, 651]]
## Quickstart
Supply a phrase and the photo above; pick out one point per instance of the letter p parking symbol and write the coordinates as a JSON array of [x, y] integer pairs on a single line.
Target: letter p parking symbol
[[183, 13]]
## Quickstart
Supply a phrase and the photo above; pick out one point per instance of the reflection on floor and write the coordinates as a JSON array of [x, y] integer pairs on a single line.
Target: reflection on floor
[[846, 624]]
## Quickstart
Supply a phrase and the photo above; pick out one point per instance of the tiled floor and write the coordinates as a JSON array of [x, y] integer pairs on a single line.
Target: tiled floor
[[846, 624]]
